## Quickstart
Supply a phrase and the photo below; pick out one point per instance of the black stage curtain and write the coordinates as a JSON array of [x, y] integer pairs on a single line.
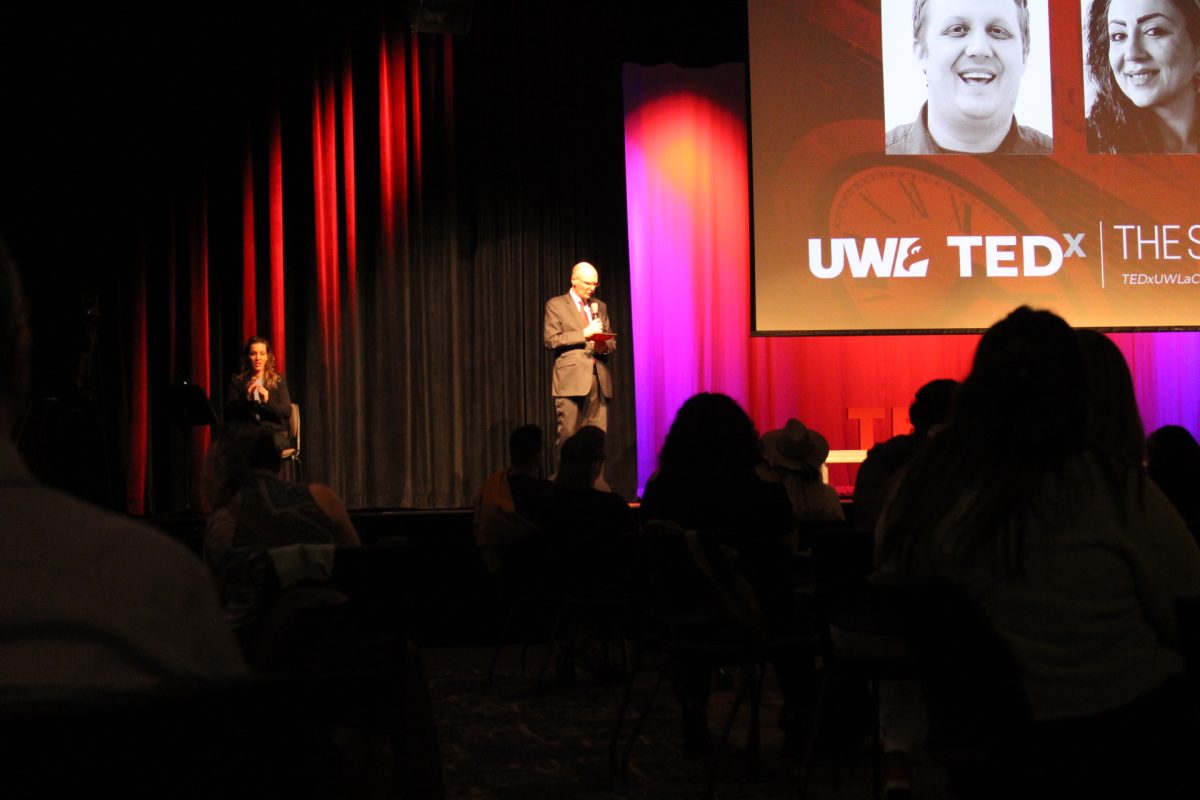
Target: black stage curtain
[[412, 373]]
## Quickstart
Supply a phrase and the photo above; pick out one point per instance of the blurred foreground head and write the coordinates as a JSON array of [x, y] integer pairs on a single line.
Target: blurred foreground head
[[1025, 399]]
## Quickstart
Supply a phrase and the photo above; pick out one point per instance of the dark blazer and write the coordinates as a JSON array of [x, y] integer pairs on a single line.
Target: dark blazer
[[573, 356], [274, 415]]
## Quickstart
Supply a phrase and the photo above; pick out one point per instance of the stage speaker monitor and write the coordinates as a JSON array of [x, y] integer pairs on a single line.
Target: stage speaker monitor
[[443, 16], [188, 405]]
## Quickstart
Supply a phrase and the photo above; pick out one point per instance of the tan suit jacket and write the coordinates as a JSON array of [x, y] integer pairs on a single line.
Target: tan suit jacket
[[575, 357]]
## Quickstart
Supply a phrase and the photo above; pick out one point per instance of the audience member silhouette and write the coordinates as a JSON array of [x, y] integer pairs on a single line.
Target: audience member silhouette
[[584, 551], [256, 521], [708, 480], [89, 600], [796, 454], [582, 523], [901, 707], [1173, 462], [504, 509], [1113, 425], [877, 474], [1073, 557]]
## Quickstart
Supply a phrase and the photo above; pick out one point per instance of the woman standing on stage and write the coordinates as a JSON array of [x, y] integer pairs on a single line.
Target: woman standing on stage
[[258, 393]]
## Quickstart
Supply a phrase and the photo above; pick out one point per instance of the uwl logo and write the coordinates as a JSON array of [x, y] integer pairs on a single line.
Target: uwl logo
[[893, 262]]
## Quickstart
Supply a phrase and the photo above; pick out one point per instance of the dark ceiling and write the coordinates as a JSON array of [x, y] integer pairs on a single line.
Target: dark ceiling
[[94, 97]]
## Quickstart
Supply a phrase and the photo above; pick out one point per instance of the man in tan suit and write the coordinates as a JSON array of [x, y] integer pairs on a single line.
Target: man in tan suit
[[574, 328]]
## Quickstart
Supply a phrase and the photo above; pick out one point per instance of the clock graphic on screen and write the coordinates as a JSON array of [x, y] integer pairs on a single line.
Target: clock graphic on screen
[[851, 190], [911, 202], [906, 203]]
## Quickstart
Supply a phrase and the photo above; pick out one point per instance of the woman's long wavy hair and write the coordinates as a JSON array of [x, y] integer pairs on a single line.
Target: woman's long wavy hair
[[1116, 125], [270, 375], [711, 442], [1001, 465]]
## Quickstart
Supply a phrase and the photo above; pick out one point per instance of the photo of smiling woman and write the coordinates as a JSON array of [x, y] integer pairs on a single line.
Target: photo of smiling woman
[[1143, 57], [974, 59]]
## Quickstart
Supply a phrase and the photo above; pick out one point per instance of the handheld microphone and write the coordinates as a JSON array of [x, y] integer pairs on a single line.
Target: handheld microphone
[[595, 310]]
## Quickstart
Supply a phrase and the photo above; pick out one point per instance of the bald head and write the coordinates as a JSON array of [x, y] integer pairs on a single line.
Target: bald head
[[584, 280], [14, 340]]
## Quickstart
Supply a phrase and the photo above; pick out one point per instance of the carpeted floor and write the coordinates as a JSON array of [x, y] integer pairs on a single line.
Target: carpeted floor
[[508, 742]]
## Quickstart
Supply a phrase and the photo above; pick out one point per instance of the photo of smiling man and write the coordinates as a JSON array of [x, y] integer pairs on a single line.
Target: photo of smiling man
[[981, 68]]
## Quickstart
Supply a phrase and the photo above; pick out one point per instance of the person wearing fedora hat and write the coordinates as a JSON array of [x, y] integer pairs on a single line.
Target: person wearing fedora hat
[[796, 454]]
